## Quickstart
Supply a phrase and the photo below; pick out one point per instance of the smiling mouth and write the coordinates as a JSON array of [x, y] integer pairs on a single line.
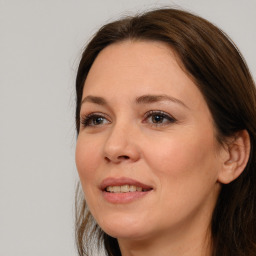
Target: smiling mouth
[[125, 189]]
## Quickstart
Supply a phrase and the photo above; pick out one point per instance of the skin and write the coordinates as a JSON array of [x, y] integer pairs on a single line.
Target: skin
[[180, 159]]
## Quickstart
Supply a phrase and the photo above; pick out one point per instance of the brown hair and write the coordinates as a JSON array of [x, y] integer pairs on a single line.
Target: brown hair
[[220, 72]]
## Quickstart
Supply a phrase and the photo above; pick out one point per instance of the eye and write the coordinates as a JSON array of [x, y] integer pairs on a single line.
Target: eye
[[158, 118], [94, 119]]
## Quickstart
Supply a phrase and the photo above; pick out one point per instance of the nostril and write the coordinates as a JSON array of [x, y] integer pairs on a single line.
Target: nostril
[[119, 158], [123, 157], [107, 159]]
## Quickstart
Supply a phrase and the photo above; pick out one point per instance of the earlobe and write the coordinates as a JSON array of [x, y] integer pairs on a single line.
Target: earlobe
[[237, 153]]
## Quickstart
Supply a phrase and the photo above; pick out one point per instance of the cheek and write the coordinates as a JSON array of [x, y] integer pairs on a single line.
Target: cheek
[[87, 159], [87, 162], [183, 158], [186, 174]]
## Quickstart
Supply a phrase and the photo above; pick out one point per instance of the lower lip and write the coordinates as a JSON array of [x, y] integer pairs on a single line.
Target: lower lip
[[121, 198]]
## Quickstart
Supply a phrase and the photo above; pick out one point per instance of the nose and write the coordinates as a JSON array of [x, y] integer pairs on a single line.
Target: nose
[[122, 145]]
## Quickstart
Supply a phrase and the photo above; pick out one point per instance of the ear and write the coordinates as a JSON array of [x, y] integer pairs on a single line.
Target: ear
[[235, 156]]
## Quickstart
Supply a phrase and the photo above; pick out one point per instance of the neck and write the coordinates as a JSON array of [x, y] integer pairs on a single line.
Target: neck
[[167, 246], [192, 238]]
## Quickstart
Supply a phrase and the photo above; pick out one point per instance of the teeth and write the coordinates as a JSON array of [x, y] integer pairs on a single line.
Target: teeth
[[132, 188], [138, 189], [124, 189], [116, 189]]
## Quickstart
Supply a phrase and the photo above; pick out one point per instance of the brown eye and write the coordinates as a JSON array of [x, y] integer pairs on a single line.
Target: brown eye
[[97, 120], [158, 118], [94, 120]]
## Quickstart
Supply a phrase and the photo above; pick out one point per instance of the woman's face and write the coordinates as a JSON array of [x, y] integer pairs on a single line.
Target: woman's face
[[146, 154]]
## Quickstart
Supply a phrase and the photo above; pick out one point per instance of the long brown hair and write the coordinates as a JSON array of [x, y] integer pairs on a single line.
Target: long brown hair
[[218, 69]]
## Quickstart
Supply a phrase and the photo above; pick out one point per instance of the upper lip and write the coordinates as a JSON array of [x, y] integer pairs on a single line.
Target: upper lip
[[111, 181]]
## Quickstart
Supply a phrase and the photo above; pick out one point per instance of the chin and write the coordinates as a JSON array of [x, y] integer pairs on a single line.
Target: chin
[[131, 234], [123, 227]]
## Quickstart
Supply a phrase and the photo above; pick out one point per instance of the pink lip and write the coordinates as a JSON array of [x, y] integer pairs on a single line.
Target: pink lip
[[111, 181], [121, 198]]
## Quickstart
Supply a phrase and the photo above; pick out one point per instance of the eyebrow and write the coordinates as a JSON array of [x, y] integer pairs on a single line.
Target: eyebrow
[[144, 99], [147, 99], [94, 99]]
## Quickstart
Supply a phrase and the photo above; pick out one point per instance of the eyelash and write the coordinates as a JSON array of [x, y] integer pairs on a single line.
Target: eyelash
[[161, 114], [87, 121]]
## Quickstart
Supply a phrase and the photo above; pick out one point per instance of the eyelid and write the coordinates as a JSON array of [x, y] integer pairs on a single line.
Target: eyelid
[[87, 119], [84, 119], [164, 114]]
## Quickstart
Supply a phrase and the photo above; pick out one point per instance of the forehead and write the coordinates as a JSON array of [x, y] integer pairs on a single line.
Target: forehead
[[134, 68], [133, 58]]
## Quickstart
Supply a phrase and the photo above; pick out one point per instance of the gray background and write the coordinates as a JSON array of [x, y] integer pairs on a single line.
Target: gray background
[[40, 46]]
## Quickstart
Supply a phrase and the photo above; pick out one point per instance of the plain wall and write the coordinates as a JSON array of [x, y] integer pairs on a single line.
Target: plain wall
[[40, 46]]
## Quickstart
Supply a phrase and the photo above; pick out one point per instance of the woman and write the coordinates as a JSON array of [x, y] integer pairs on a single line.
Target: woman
[[166, 126]]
